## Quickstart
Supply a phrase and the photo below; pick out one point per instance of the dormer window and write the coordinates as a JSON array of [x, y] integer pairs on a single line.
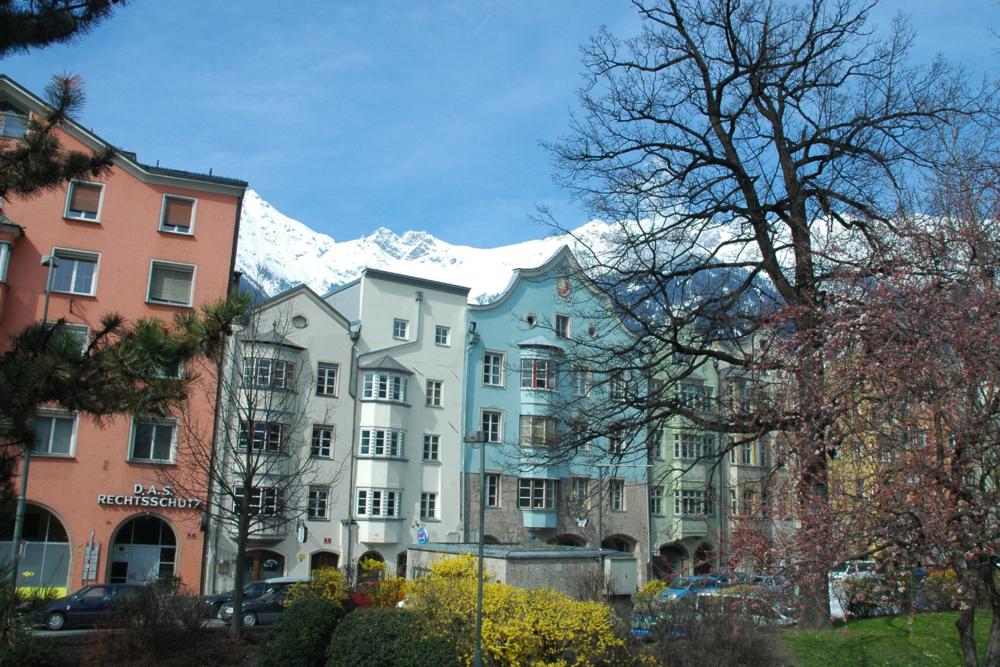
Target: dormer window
[[13, 122]]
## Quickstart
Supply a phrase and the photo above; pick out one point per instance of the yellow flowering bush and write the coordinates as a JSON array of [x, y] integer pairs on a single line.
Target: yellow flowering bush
[[520, 626], [650, 592], [327, 583]]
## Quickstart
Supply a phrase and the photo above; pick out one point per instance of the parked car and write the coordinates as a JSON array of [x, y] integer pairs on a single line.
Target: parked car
[[265, 609], [92, 606], [855, 569], [251, 591], [690, 587]]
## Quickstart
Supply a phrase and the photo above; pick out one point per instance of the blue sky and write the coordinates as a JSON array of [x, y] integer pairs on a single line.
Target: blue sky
[[352, 115]]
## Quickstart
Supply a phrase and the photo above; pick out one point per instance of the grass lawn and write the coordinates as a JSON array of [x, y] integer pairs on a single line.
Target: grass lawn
[[886, 642]]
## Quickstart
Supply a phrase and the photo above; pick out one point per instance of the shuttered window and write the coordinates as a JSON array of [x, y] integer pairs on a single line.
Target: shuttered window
[[178, 215], [84, 200], [171, 283]]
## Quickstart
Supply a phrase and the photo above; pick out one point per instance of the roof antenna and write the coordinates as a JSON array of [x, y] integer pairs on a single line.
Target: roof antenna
[[157, 163], [209, 171]]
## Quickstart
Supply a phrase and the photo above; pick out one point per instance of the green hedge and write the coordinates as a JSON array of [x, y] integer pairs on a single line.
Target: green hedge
[[301, 635], [387, 638]]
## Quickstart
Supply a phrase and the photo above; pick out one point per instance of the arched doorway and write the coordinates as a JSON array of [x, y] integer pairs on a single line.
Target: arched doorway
[[618, 543], [669, 563], [401, 564], [704, 558], [143, 549], [323, 559], [568, 540], [45, 559], [263, 564], [370, 573]]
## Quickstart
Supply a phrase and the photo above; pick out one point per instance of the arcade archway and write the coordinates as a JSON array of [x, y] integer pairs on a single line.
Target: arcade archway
[[144, 549]]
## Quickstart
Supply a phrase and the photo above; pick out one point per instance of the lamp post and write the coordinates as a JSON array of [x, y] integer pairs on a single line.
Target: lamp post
[[48, 261], [473, 438]]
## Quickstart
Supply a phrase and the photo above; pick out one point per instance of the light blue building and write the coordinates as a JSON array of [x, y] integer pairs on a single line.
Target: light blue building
[[554, 474]]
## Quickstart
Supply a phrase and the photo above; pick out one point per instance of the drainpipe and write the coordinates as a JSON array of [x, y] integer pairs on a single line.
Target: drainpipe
[[472, 340], [355, 335]]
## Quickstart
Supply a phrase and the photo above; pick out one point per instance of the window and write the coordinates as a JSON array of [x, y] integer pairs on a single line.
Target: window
[[581, 382], [267, 436], [537, 430], [170, 283], [434, 393], [4, 260], [538, 374], [746, 453], [692, 446], [579, 496], [492, 423], [657, 448], [616, 495], [763, 456], [493, 365], [493, 490], [442, 335], [377, 503], [384, 386], [13, 122], [153, 440], [75, 272], [749, 501], [83, 201], [537, 494], [692, 503], [432, 445], [400, 329], [617, 387], [326, 379], [80, 333], [322, 442], [562, 329], [55, 434], [264, 500], [734, 507], [656, 500], [693, 396], [616, 446], [318, 510], [177, 215], [268, 373], [381, 442], [428, 505]]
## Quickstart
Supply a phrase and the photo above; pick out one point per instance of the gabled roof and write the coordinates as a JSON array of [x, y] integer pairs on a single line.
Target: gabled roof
[[416, 282], [541, 341], [271, 337], [309, 293], [385, 363], [562, 256], [128, 161]]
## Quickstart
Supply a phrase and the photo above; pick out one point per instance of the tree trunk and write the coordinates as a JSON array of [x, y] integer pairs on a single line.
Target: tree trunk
[[992, 657], [242, 532], [966, 622]]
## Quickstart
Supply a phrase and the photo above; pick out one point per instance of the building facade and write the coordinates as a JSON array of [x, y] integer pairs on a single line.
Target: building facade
[[142, 241]]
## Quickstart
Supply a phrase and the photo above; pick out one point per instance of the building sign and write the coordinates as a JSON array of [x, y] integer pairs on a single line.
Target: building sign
[[151, 496], [90, 558]]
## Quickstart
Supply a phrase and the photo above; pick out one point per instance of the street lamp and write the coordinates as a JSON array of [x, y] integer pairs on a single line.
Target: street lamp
[[50, 262], [473, 438]]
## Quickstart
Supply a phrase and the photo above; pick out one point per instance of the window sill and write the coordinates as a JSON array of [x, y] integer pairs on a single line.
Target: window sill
[[313, 457], [377, 457], [46, 455], [378, 518], [151, 462], [319, 395], [92, 221], [387, 401], [436, 407], [168, 303], [431, 462], [428, 519], [316, 519], [493, 386], [86, 294], [171, 232]]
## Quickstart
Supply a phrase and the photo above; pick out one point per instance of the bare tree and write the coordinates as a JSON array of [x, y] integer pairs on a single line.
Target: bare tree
[[256, 458], [753, 150]]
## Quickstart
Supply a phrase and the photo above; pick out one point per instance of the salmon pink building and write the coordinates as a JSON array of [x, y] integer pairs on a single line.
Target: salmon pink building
[[143, 241]]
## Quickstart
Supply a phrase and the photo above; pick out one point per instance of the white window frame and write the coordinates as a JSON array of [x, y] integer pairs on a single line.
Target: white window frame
[[384, 386], [268, 501], [535, 493], [493, 496], [434, 393], [156, 423], [579, 495], [563, 327], [488, 432], [167, 264], [693, 446], [538, 430], [61, 253], [382, 443], [400, 329], [266, 442], [21, 118], [164, 227], [493, 371], [616, 495], [323, 385], [442, 335], [692, 502], [534, 378], [58, 414], [432, 448], [269, 372], [316, 443], [69, 198], [582, 382], [377, 503], [5, 255], [314, 501], [428, 506], [656, 496]]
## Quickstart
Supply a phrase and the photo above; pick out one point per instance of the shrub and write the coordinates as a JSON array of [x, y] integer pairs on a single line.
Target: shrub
[[28, 650], [939, 591], [302, 633], [650, 592], [386, 638], [327, 583], [520, 626]]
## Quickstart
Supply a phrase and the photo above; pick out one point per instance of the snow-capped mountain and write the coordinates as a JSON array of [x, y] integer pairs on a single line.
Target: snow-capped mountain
[[276, 252]]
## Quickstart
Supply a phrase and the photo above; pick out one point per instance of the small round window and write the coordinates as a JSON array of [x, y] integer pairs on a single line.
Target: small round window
[[531, 320], [300, 322], [592, 331]]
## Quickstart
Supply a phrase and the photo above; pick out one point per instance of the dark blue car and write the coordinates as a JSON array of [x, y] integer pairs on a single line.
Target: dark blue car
[[684, 588], [90, 606]]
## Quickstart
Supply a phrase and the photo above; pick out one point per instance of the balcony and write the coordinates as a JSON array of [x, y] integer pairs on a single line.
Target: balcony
[[539, 518], [265, 530], [380, 531]]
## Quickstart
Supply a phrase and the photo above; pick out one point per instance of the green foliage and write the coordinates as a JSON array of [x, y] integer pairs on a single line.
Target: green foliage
[[888, 642], [28, 650], [520, 626], [940, 590], [327, 583], [387, 638], [302, 633]]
